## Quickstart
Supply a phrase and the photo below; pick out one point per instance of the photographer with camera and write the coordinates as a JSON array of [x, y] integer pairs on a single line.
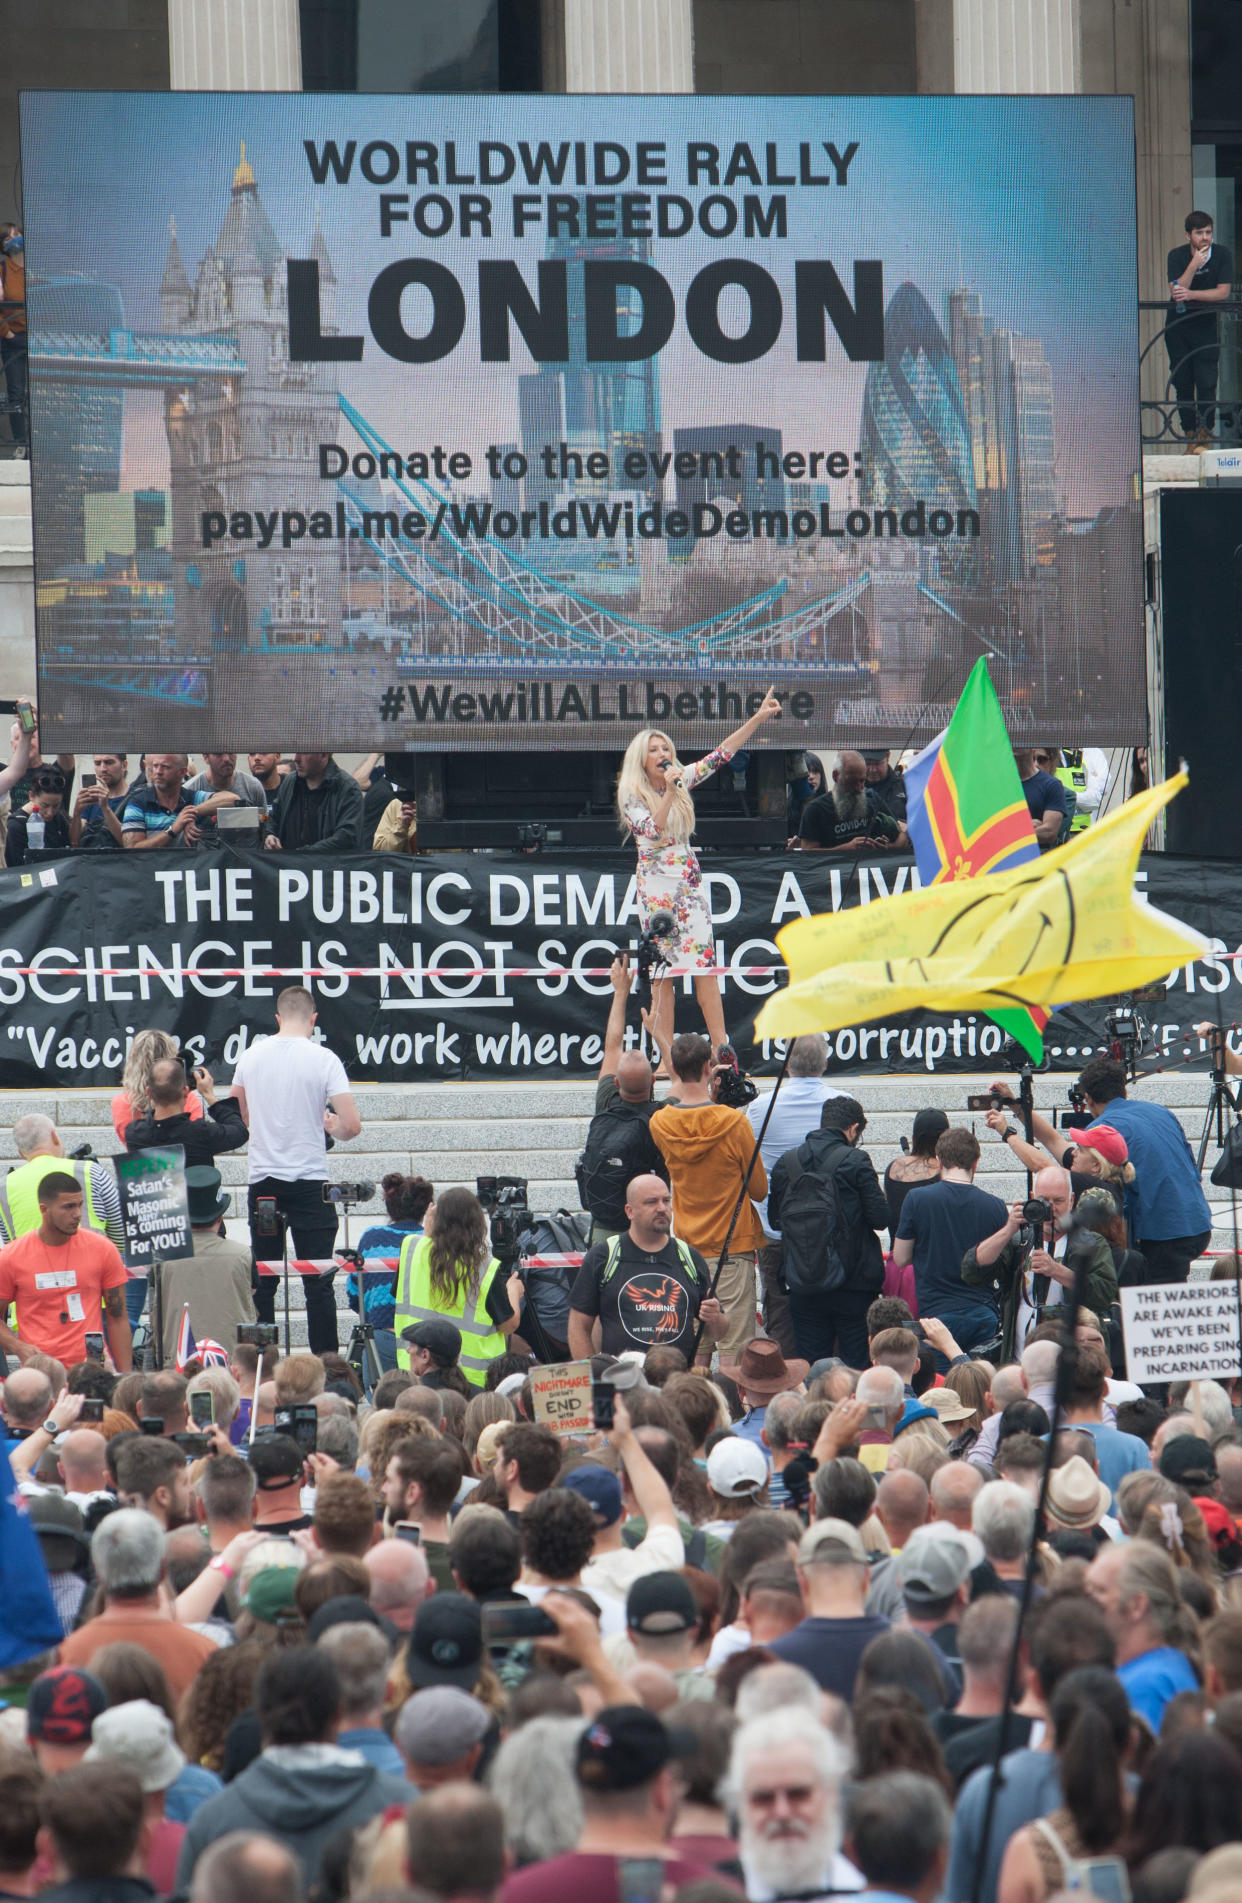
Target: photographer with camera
[[397, 830], [709, 1146], [1026, 1260], [1100, 1154], [619, 1145], [293, 1092], [450, 1274], [170, 1122], [1047, 1144], [1170, 1218]]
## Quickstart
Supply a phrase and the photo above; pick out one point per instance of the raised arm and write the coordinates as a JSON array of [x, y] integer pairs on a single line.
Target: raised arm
[[662, 1043], [19, 742], [1232, 1060], [647, 1484], [770, 709], [614, 1032], [25, 1455], [987, 1251], [1218, 294], [1042, 1129]]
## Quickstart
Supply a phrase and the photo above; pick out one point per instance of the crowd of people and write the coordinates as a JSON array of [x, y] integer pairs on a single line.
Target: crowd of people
[[309, 803], [329, 1627], [306, 803], [869, 1572], [765, 1635]]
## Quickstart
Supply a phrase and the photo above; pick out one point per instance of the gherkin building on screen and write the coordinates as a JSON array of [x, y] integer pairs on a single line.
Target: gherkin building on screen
[[914, 437]]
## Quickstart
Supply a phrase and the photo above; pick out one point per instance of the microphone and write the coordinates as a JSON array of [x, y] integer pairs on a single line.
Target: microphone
[[662, 925]]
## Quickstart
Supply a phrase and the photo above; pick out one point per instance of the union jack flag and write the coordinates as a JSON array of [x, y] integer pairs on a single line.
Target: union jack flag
[[209, 1352]]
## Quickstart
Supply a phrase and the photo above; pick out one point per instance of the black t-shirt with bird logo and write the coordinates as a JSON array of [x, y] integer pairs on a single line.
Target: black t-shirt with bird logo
[[647, 1301]]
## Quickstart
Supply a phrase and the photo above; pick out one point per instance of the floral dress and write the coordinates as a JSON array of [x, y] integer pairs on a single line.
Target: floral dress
[[669, 878]]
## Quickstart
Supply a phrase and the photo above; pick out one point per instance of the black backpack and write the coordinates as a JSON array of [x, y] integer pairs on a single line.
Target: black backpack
[[548, 1287], [810, 1217], [618, 1148]]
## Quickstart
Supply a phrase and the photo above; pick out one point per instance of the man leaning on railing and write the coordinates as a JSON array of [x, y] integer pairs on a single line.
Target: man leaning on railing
[[1200, 278]]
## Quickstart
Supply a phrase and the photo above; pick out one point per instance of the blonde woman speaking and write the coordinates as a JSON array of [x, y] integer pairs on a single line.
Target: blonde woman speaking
[[654, 805]]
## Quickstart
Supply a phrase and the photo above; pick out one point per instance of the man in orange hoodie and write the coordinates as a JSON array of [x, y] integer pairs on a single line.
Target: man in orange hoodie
[[708, 1147], [13, 330]]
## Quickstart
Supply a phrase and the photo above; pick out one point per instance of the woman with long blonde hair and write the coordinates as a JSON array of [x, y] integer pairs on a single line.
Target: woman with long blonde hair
[[133, 1099], [655, 808]]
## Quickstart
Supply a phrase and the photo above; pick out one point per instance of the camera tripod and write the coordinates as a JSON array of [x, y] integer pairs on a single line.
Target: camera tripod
[[361, 1352], [1222, 1094]]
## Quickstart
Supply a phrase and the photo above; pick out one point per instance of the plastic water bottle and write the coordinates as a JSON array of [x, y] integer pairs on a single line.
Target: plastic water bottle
[[35, 833]]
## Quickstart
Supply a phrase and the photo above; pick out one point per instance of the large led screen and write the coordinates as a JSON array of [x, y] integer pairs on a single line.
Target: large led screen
[[475, 420]]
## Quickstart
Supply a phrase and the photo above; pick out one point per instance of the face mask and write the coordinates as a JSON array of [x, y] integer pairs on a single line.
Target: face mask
[[14, 244]]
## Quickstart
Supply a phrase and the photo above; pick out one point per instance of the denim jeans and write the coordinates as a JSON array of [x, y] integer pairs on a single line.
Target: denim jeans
[[970, 1326], [135, 1299]]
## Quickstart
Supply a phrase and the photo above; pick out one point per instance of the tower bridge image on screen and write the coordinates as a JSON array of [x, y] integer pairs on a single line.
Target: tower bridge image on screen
[[944, 532]]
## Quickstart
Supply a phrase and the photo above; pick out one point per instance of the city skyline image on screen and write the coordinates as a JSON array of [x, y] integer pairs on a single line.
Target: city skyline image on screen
[[467, 422]]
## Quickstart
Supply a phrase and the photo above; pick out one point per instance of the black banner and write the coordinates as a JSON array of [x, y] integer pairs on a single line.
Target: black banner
[[474, 965]]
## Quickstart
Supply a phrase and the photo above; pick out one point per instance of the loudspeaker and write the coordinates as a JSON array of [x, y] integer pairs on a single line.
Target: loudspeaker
[[1201, 590]]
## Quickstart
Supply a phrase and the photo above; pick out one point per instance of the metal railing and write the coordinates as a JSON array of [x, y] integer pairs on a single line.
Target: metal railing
[[1160, 424]]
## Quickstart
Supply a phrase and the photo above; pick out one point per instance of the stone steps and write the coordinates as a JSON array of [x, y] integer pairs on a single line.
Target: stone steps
[[452, 1133]]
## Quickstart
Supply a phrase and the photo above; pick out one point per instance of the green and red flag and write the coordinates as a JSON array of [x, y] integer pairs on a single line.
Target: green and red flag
[[966, 813]]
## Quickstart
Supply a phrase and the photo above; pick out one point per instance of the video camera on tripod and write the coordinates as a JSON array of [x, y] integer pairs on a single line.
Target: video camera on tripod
[[507, 1202], [345, 1195], [652, 954], [1127, 1028]]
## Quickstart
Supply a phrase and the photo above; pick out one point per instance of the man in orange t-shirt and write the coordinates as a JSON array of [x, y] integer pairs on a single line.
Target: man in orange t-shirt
[[709, 1147], [63, 1278]]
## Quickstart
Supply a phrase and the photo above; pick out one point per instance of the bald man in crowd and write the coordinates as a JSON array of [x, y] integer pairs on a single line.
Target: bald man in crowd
[[81, 1460], [400, 1581], [27, 1402], [953, 1490], [848, 817]]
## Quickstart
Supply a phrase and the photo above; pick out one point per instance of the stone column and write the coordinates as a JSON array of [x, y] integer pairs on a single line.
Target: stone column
[[618, 46], [234, 46], [1015, 46], [1143, 47]]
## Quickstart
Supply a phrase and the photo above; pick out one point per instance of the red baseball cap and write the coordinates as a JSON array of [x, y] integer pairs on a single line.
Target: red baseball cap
[[1102, 1137], [1221, 1526]]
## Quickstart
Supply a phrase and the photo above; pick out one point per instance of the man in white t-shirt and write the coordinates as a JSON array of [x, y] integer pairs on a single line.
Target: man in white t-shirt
[[284, 1086]]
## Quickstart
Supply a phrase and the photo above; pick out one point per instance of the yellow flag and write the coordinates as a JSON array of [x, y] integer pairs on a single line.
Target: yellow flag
[[1053, 931]]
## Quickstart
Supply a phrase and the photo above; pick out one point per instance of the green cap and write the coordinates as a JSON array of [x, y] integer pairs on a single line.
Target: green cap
[[270, 1593]]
